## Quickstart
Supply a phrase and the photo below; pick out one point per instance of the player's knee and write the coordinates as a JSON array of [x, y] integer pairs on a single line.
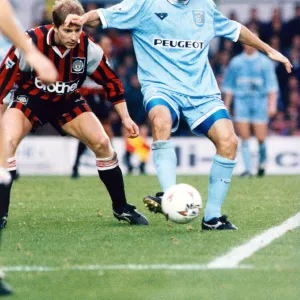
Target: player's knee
[[101, 145], [11, 144], [227, 145], [162, 123]]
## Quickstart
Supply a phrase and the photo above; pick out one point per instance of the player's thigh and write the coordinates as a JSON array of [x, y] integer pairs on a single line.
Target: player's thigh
[[15, 127], [87, 128], [260, 130], [163, 113], [243, 129]]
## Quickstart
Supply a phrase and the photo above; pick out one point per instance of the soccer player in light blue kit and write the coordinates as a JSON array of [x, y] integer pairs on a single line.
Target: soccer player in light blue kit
[[251, 80], [171, 40]]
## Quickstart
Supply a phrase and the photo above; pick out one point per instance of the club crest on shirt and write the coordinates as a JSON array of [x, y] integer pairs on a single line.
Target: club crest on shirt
[[22, 99], [78, 65], [198, 17]]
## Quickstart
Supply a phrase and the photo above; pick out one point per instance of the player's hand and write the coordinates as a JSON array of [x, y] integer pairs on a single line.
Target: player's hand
[[44, 68], [277, 56], [75, 19], [272, 110], [131, 129]]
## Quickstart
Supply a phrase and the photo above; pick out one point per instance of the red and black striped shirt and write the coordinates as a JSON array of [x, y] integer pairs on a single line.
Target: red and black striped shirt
[[73, 65]]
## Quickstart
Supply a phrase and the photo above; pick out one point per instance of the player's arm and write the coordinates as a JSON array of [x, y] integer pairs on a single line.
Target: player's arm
[[90, 19], [248, 38], [44, 67], [125, 15], [272, 104], [228, 97], [229, 85], [272, 87]]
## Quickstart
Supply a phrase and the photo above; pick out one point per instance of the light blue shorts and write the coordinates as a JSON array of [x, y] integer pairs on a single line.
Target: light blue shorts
[[251, 110], [200, 113]]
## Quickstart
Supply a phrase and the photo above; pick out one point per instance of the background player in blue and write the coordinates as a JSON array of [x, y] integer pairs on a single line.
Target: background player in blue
[[251, 81], [171, 40]]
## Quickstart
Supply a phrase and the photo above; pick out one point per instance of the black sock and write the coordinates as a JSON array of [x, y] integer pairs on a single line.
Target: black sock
[[113, 180], [5, 195], [80, 150]]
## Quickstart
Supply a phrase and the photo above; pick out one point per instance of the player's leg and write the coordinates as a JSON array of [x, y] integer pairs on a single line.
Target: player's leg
[[244, 131], [162, 115], [15, 126], [260, 131], [107, 164], [211, 118], [6, 101], [164, 155], [4, 175], [5, 289], [223, 136]]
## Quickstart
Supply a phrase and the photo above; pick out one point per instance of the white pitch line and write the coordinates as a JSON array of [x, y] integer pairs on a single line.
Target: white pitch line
[[229, 261], [112, 267], [232, 259]]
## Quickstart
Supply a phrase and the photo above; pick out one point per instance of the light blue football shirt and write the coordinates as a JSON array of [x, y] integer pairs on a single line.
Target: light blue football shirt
[[171, 41], [250, 77]]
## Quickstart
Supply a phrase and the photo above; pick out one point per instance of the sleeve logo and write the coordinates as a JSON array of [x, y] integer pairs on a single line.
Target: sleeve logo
[[198, 17], [118, 7]]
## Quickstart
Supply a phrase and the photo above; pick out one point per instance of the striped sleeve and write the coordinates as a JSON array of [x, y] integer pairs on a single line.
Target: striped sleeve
[[8, 73], [112, 85]]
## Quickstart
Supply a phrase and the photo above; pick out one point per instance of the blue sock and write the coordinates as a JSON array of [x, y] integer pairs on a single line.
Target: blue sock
[[262, 153], [219, 181], [246, 155], [165, 161]]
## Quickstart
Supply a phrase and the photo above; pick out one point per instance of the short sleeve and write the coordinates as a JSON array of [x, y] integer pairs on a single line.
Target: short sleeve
[[229, 81], [225, 27], [125, 15], [270, 77], [95, 54]]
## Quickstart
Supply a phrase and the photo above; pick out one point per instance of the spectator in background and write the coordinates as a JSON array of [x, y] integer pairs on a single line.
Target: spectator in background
[[254, 19], [293, 26], [275, 27], [280, 125]]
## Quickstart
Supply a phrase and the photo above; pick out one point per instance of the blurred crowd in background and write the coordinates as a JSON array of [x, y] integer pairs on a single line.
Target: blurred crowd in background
[[281, 35]]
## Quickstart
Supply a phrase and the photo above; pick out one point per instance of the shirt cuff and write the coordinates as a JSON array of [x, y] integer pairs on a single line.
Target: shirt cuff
[[102, 18], [227, 91], [238, 31]]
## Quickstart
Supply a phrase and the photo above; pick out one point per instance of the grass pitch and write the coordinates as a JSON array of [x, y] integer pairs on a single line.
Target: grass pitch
[[59, 223]]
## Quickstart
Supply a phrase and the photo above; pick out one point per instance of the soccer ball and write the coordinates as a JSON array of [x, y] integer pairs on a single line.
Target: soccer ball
[[181, 203]]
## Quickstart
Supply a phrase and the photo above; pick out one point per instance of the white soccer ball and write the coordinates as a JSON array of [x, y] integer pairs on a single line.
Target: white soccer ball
[[182, 203]]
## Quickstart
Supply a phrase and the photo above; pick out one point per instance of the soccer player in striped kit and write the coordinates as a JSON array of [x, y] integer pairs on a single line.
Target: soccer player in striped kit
[[35, 103]]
